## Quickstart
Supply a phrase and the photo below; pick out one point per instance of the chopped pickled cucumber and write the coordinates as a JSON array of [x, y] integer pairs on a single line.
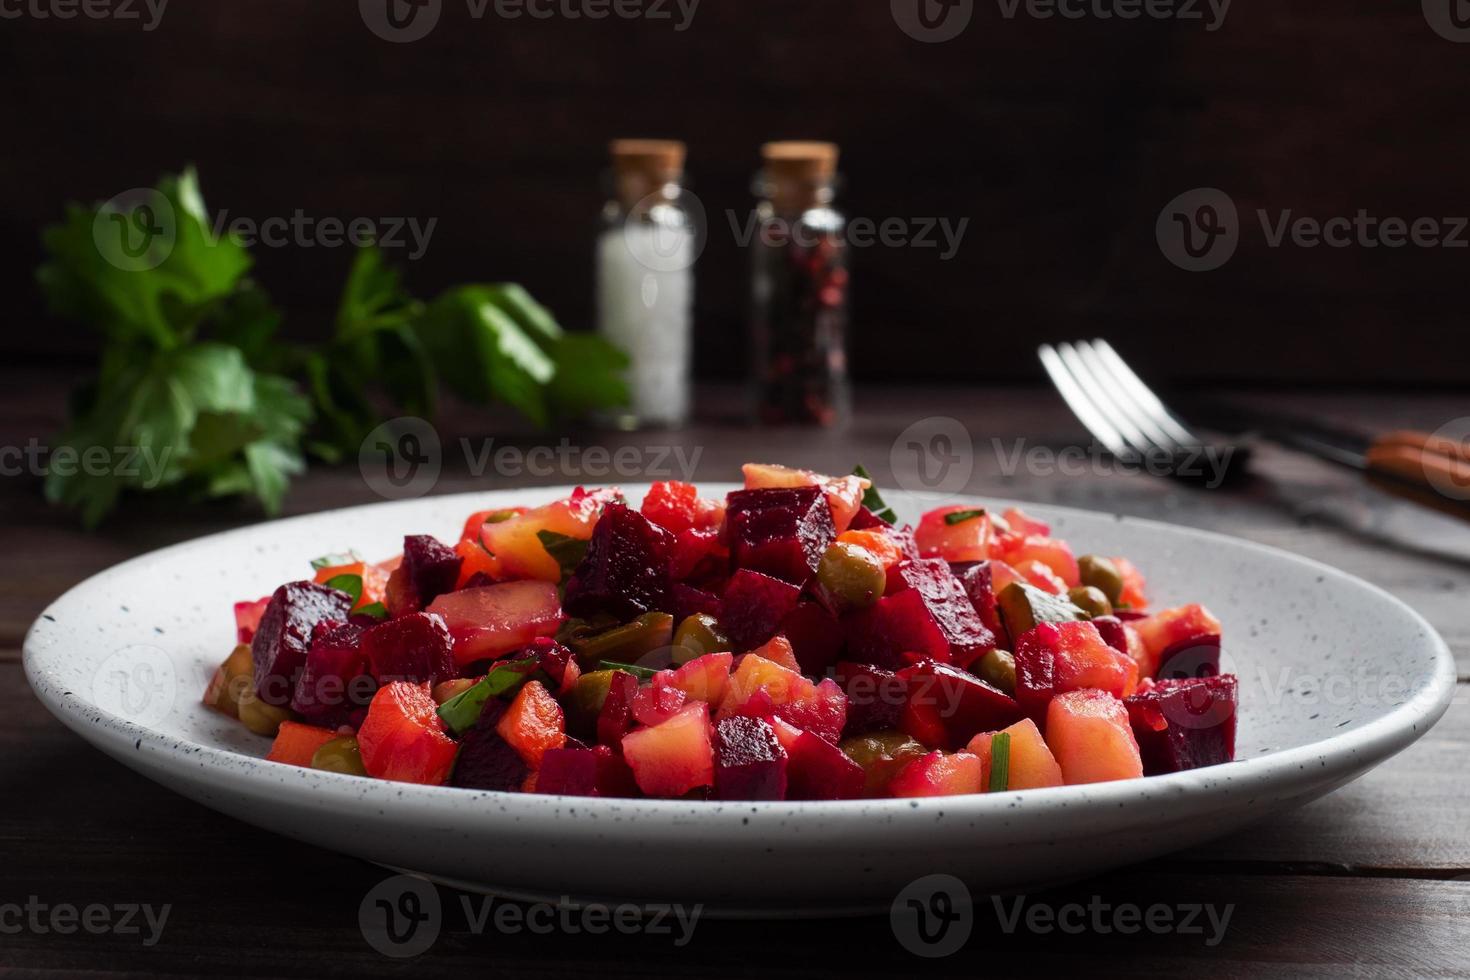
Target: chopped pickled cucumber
[[628, 642], [697, 635], [1022, 606]]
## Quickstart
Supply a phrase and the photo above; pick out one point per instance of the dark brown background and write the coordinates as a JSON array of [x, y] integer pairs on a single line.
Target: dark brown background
[[1060, 140]]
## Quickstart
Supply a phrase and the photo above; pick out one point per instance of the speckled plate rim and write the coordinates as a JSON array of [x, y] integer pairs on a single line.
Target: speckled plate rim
[[1332, 760]]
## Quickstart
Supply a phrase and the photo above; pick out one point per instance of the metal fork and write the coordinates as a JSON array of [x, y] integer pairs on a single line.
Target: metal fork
[[1127, 418]]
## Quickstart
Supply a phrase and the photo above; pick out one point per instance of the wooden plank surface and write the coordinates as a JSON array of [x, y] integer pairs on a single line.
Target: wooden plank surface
[[1373, 879]]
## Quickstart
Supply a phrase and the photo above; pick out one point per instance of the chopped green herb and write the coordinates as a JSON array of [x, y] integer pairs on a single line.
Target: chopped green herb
[[374, 609], [642, 673], [351, 584], [568, 552], [960, 516], [873, 500], [335, 561], [462, 711], [1000, 762]]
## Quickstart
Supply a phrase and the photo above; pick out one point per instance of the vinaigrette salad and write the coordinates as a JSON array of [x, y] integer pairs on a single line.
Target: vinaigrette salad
[[792, 641]]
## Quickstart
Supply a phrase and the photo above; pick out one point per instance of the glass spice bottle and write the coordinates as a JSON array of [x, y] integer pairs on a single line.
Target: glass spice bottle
[[645, 278], [799, 280]]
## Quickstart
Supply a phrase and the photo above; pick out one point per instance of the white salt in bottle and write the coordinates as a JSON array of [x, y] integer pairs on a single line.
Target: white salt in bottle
[[645, 278]]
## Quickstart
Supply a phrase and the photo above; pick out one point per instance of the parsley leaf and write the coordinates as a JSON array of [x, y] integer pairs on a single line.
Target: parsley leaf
[[567, 551], [873, 500]]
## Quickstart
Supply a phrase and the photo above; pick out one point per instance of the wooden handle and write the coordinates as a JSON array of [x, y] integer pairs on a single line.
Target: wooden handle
[[1426, 468]]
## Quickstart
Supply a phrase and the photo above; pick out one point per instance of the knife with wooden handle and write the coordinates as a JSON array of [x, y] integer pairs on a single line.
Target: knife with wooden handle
[[1427, 468]]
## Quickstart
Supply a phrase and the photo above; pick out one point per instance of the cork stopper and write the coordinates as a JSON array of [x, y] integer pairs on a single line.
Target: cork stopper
[[800, 160], [642, 167], [799, 174]]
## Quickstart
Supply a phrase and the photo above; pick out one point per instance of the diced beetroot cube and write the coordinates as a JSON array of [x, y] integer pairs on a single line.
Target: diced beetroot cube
[[865, 519], [1184, 724], [617, 710], [819, 770], [487, 761], [749, 763], [698, 551], [815, 635], [283, 637], [626, 570], [333, 684], [247, 618], [754, 605], [978, 581], [414, 648], [959, 702], [781, 531], [568, 772], [430, 567], [614, 776], [895, 632], [874, 697], [552, 658], [946, 599], [686, 600], [1198, 656], [1054, 658], [657, 702], [823, 714], [1110, 628]]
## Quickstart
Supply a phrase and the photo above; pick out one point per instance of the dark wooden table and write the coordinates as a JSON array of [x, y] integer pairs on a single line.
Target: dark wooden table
[[1372, 880]]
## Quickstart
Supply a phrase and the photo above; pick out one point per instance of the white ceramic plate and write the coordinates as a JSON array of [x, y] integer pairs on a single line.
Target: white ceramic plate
[[1336, 676]]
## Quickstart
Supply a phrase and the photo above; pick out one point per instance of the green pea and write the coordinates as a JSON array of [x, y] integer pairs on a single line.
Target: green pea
[[998, 669], [339, 755], [1101, 574], [1091, 600], [852, 575]]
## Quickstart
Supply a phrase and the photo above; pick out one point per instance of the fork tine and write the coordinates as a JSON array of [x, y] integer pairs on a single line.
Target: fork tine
[[1142, 395], [1106, 400], [1123, 402], [1082, 406]]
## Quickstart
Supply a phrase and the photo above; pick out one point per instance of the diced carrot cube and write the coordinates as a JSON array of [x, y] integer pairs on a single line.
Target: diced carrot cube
[[403, 738], [533, 723], [296, 743]]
